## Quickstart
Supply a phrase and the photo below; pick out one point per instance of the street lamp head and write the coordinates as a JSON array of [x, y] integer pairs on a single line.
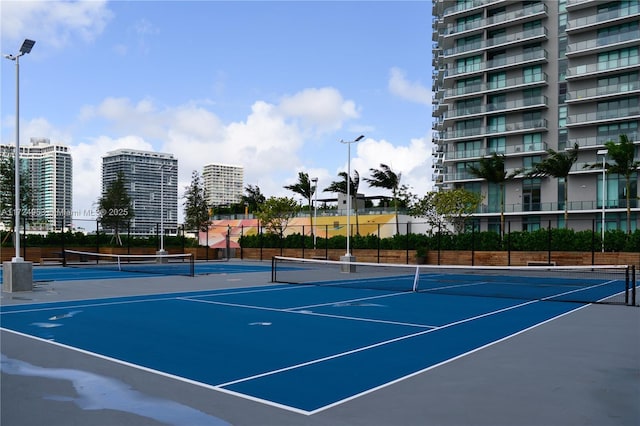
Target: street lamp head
[[602, 152], [359, 138], [314, 180], [27, 45], [10, 57]]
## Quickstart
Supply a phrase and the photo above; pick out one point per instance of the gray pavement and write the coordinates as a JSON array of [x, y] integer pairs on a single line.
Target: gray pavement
[[580, 369]]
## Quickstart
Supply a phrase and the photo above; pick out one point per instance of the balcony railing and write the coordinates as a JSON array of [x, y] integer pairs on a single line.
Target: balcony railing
[[588, 21], [535, 56], [500, 18], [594, 92], [602, 41], [591, 117], [510, 83], [486, 130], [503, 39], [497, 107], [613, 65]]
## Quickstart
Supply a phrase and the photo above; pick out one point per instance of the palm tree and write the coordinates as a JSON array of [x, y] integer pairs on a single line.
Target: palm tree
[[304, 188], [340, 187], [625, 164], [492, 170], [387, 179], [558, 165]]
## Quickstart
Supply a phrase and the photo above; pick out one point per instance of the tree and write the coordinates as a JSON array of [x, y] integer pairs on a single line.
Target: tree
[[8, 194], [275, 213], [253, 197], [386, 178], [492, 170], [454, 207], [340, 187], [625, 164], [115, 208], [304, 188], [558, 165], [196, 209]]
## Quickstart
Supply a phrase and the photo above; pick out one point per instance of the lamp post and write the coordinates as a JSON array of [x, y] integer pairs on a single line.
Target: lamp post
[[315, 210], [604, 153], [26, 47], [347, 255], [162, 251], [18, 275]]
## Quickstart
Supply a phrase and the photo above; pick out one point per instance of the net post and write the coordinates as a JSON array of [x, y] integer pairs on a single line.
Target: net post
[[192, 265], [626, 285], [273, 269], [633, 285], [416, 278]]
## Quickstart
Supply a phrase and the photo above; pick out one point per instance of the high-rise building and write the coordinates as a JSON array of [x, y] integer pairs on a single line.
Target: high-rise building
[[223, 184], [520, 77], [50, 172], [151, 180]]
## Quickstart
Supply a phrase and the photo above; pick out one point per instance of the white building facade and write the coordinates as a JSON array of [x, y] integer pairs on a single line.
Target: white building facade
[[49, 168], [223, 184], [151, 180], [521, 77]]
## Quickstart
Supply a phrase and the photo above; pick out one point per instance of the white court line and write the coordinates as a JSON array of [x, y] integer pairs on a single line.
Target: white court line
[[367, 347], [318, 314]]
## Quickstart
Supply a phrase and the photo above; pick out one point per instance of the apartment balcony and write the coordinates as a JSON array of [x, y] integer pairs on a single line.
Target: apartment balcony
[[512, 150], [591, 118], [592, 70], [501, 41], [469, 6], [599, 141], [511, 84], [535, 11], [618, 41], [511, 106], [510, 128], [530, 58], [592, 22], [459, 177], [596, 93], [581, 4]]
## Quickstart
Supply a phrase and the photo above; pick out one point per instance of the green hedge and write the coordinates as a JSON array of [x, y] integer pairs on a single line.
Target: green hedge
[[540, 240]]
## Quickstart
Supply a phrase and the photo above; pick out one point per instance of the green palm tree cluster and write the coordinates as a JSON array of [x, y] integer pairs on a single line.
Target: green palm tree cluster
[[492, 170], [386, 178], [624, 164], [558, 165]]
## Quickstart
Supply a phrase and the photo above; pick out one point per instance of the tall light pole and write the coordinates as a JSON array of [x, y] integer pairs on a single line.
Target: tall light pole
[[315, 210], [26, 47], [162, 251], [358, 139], [604, 153]]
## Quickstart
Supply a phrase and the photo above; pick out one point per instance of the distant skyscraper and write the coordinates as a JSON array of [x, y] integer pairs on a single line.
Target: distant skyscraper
[[50, 172], [223, 184], [518, 78], [147, 176]]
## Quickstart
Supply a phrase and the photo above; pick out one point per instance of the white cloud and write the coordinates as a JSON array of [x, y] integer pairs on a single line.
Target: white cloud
[[323, 109], [411, 91], [53, 22]]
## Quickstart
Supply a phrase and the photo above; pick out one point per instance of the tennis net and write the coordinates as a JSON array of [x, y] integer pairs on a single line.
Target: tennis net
[[584, 284], [167, 264]]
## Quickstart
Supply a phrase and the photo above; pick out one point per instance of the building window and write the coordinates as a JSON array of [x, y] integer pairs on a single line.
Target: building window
[[532, 74], [618, 58], [497, 80], [468, 149], [498, 145], [531, 223], [562, 116], [497, 124], [467, 22], [531, 195], [607, 132], [468, 85], [470, 64]]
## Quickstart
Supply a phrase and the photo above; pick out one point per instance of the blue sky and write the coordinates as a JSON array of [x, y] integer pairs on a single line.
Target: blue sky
[[270, 86]]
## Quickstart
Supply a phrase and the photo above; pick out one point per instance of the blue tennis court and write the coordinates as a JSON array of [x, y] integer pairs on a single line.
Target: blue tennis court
[[301, 348]]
